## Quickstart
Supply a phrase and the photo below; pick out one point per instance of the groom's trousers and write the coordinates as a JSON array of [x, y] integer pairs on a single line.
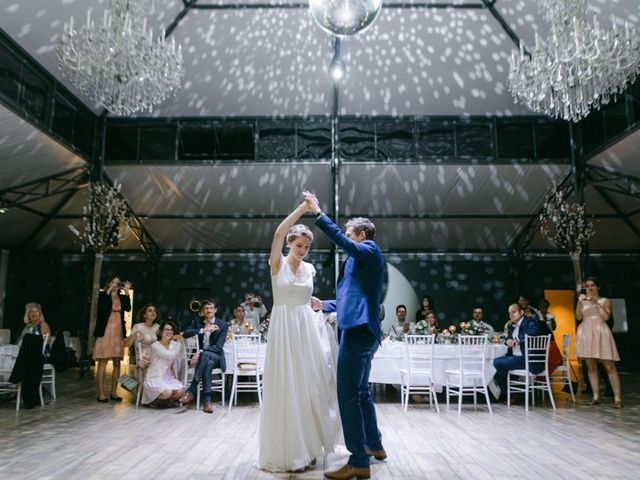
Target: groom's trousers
[[357, 410]]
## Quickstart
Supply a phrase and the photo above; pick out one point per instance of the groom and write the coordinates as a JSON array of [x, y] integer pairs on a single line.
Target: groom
[[357, 305]]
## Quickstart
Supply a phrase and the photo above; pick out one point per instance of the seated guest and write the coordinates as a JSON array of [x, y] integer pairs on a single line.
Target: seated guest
[[146, 330], [254, 308], [432, 320], [402, 325], [240, 325], [548, 317], [34, 319], [529, 311], [426, 306], [161, 382], [478, 316], [520, 325], [212, 333]]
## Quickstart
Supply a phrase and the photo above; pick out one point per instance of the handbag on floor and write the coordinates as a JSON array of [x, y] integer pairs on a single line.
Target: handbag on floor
[[129, 383]]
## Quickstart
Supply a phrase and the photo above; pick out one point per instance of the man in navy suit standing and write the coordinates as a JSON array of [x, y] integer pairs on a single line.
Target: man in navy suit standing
[[357, 305]]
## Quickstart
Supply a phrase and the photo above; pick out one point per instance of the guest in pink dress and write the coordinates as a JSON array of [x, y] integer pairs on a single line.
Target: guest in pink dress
[[109, 332], [594, 340]]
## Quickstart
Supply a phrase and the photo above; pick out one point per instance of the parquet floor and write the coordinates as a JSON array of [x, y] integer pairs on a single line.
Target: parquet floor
[[74, 437]]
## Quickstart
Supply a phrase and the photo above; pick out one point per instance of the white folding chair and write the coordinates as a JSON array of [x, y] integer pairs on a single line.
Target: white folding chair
[[141, 369], [6, 386], [470, 377], [191, 347], [7, 360], [246, 363], [536, 353], [48, 372], [417, 377], [562, 374]]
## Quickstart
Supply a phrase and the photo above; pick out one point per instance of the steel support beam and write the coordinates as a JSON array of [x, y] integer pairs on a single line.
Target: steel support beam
[[69, 180]]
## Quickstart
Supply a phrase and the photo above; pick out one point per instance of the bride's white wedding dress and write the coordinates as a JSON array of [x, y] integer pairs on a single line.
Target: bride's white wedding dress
[[300, 419]]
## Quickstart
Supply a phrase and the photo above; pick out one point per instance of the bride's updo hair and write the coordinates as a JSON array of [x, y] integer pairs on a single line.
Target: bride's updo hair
[[299, 230]]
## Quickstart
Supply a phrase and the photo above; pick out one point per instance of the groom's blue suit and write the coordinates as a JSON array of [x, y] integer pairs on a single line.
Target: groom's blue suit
[[357, 305]]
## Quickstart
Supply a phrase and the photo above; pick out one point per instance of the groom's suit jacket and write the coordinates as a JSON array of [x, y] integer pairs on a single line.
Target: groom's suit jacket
[[359, 288]]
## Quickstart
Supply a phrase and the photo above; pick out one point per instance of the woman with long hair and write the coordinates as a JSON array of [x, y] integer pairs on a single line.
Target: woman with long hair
[[109, 333], [594, 340]]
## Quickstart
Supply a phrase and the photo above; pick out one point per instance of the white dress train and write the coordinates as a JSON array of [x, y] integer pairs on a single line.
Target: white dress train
[[300, 419]]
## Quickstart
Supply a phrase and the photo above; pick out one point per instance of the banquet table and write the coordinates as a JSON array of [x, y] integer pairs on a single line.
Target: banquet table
[[391, 358], [228, 356], [8, 355]]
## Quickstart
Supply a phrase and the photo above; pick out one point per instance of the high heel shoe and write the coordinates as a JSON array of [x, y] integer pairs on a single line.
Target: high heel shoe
[[594, 401], [617, 404], [103, 400], [115, 398]]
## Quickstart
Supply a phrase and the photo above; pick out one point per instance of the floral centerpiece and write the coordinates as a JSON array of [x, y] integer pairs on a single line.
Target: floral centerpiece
[[422, 328], [448, 335], [473, 327], [263, 329]]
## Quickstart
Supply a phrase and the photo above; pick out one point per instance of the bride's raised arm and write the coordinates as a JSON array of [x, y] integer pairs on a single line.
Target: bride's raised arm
[[280, 236]]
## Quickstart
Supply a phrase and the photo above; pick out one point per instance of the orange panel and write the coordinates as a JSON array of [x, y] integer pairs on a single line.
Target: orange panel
[[562, 306]]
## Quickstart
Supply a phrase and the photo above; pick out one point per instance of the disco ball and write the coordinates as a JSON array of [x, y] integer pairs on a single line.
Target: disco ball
[[344, 17]]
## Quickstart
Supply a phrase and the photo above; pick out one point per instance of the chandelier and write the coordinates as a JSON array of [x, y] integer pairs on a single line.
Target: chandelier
[[579, 66], [119, 64]]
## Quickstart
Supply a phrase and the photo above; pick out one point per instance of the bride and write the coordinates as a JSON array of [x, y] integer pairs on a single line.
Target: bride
[[299, 421]]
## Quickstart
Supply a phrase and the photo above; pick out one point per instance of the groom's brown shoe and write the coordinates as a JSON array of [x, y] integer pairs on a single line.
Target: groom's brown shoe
[[379, 455], [348, 472]]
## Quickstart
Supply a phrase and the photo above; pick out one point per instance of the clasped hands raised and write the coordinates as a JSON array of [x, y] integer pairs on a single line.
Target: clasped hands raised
[[310, 203]]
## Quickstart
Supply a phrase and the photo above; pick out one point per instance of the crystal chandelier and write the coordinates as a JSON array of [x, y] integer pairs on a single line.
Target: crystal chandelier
[[579, 66], [119, 64]]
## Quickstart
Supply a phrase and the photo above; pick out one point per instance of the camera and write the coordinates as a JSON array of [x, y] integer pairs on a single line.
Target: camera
[[583, 291], [120, 285]]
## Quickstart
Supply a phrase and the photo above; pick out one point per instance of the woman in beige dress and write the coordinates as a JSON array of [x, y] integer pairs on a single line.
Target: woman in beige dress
[[109, 334], [145, 330], [594, 340]]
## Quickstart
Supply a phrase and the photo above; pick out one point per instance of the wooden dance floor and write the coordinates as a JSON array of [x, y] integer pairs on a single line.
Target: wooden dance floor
[[74, 437]]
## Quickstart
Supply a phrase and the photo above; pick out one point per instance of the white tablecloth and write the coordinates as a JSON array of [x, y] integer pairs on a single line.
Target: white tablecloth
[[391, 357], [8, 355], [228, 356]]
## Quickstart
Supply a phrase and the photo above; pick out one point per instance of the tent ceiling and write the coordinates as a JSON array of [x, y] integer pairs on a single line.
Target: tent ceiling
[[273, 62], [408, 189], [254, 62], [621, 157], [27, 154], [231, 189]]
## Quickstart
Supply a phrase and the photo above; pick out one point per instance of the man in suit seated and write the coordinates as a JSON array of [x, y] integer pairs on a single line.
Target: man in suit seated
[[519, 326], [212, 333]]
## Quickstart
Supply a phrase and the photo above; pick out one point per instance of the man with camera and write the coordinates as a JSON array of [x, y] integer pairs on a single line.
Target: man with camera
[[212, 333], [254, 309]]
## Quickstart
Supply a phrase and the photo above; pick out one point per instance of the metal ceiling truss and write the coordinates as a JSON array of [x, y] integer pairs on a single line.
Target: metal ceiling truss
[[520, 242], [616, 182], [68, 181], [148, 245]]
